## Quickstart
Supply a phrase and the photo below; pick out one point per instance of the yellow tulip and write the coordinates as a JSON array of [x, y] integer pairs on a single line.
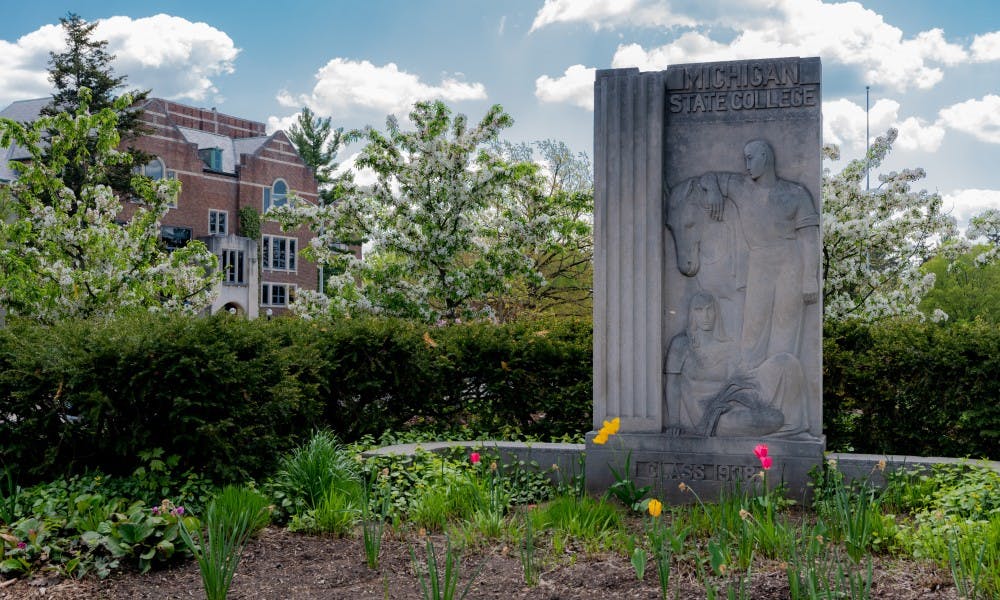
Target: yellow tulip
[[655, 507]]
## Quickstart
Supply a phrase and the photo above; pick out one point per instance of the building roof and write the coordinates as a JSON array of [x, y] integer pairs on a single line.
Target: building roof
[[25, 111], [231, 148], [22, 111]]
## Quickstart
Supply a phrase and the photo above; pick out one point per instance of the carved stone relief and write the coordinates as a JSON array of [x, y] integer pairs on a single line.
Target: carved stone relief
[[750, 243]]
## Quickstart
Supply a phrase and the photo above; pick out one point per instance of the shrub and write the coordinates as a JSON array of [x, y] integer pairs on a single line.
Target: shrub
[[912, 388], [227, 396]]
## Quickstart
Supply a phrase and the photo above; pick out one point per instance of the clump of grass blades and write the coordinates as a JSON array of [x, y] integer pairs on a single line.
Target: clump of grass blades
[[322, 464], [230, 519], [451, 497], [438, 585], [585, 519], [815, 570], [974, 558]]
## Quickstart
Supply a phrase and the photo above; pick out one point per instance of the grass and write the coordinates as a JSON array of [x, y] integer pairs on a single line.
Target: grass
[[312, 470]]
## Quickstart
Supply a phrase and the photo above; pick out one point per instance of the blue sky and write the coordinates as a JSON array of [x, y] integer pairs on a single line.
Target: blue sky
[[933, 68]]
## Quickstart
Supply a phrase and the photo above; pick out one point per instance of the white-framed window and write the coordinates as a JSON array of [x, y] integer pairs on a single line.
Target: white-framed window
[[218, 222], [278, 253], [276, 195], [232, 263], [277, 294]]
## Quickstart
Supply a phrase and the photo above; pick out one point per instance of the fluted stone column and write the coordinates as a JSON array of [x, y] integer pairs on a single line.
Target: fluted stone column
[[628, 248]]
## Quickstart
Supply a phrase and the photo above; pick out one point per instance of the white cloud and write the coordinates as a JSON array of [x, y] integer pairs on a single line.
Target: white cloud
[[918, 134], [845, 33], [986, 47], [965, 204], [606, 13], [23, 64], [171, 55], [178, 59], [281, 123], [575, 86], [363, 177], [978, 118], [844, 125], [343, 85]]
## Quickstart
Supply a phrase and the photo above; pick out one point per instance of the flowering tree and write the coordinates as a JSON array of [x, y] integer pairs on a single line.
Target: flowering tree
[[440, 241], [558, 212], [63, 254], [986, 225], [874, 242]]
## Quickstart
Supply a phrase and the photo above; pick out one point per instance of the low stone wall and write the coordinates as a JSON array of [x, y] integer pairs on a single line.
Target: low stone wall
[[569, 458]]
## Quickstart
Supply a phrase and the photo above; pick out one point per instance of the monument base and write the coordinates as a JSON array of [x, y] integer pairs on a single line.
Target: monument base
[[706, 465]]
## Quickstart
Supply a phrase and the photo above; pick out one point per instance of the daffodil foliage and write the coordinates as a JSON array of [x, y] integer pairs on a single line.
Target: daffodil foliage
[[875, 241], [64, 254], [440, 239]]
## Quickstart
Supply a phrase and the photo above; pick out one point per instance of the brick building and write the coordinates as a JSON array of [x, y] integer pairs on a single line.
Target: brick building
[[224, 164]]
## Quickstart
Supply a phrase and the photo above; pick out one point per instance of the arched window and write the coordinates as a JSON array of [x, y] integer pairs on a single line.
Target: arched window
[[276, 195], [154, 169]]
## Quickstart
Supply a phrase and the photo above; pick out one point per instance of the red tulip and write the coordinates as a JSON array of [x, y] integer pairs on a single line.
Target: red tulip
[[474, 458], [765, 461]]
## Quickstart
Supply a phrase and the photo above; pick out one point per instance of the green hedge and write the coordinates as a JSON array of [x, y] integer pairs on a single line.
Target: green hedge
[[229, 395], [913, 388]]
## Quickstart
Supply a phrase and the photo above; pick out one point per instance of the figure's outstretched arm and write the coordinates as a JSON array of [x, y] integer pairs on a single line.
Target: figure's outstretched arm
[[713, 195]]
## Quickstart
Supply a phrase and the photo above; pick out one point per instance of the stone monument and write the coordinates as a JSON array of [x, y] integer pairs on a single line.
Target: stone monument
[[707, 291]]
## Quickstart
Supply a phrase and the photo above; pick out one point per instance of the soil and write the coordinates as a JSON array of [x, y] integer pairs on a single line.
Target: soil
[[278, 564]]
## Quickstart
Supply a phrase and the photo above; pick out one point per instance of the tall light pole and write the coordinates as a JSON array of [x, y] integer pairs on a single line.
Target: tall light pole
[[868, 135]]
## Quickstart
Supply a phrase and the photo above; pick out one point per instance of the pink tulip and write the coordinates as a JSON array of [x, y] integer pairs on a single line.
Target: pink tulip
[[760, 450], [765, 461], [474, 458]]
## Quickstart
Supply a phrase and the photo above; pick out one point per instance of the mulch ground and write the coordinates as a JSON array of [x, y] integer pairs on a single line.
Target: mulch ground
[[282, 565]]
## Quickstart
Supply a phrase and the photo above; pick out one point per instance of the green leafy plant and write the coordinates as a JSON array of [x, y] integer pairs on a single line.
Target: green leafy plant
[[145, 534], [624, 489], [231, 518]]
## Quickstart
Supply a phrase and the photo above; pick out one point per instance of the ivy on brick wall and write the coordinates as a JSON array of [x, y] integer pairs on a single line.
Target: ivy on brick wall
[[250, 223]]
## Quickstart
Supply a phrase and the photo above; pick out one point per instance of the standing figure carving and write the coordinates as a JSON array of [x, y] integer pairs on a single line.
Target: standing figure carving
[[751, 242]]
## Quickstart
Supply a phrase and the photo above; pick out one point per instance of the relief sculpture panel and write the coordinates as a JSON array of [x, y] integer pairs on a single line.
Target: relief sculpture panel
[[749, 241]]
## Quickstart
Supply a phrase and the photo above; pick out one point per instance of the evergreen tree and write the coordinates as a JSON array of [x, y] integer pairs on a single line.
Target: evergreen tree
[[86, 63], [317, 143]]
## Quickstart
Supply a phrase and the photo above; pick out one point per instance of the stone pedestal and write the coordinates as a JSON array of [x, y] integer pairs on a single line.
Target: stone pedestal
[[708, 466]]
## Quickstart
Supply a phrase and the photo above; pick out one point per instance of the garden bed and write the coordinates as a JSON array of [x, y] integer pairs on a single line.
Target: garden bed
[[282, 565]]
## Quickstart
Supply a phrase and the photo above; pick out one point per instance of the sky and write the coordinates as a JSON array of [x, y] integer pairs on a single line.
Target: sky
[[933, 68]]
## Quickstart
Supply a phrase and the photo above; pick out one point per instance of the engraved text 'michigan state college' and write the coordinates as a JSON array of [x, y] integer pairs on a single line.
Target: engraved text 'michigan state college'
[[746, 86]]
